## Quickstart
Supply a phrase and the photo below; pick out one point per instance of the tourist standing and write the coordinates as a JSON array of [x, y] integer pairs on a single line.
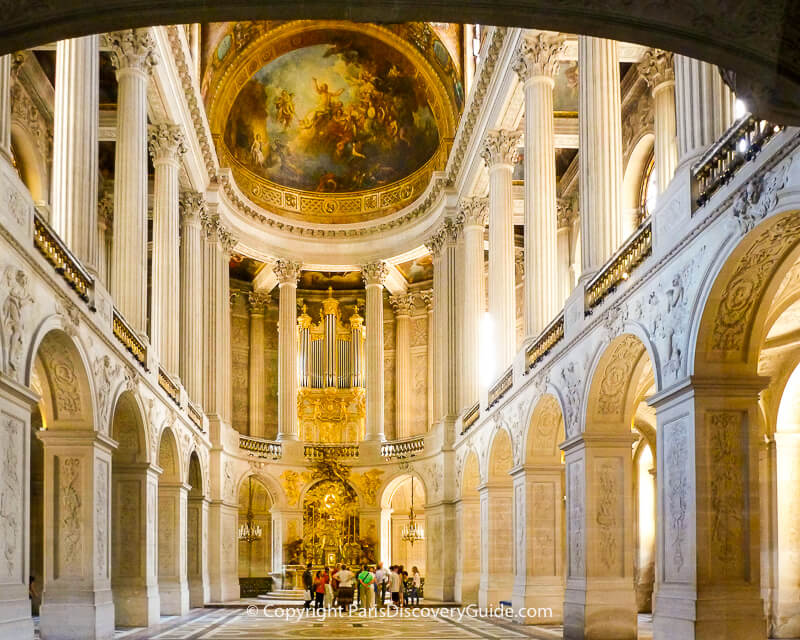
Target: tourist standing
[[327, 601], [394, 585], [365, 578], [416, 584], [307, 584], [319, 591], [344, 595], [381, 580]]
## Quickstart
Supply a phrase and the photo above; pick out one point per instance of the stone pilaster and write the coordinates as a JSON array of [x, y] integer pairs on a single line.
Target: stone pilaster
[[74, 198], [468, 561], [287, 273], [257, 304], [426, 297], [704, 106], [566, 224], [374, 275], [497, 572], [173, 585], [500, 153], [105, 229], [657, 68], [166, 144], [600, 142], [472, 219], [5, 106], [197, 551], [402, 305], [133, 56], [536, 65], [192, 209]]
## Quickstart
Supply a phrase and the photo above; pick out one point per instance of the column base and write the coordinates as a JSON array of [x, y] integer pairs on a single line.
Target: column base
[[492, 595], [604, 611], [15, 614], [725, 617], [374, 437], [174, 597], [199, 591], [136, 605], [78, 620], [466, 587], [542, 603]]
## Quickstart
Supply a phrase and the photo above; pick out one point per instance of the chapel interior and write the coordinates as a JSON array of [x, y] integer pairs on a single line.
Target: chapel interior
[[512, 298]]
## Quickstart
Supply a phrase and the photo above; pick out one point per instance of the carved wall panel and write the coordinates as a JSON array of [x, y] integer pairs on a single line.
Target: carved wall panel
[[576, 510], [676, 500], [610, 516], [128, 528], [69, 543], [101, 519], [167, 562], [542, 546], [12, 494]]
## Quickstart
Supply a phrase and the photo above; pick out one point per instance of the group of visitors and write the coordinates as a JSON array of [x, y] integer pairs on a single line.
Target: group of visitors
[[338, 587]]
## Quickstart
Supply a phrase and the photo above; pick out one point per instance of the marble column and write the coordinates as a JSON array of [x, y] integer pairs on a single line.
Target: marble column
[[75, 146], [77, 600], [500, 153], [658, 70], [197, 551], [166, 144], [134, 545], [440, 552], [600, 142], [257, 303], [374, 275], [707, 545], [565, 275], [537, 64], [192, 209], [472, 219], [447, 330], [497, 570], [105, 227], [468, 562], [704, 106], [426, 297], [288, 272], [402, 305], [133, 56], [173, 585], [5, 106]]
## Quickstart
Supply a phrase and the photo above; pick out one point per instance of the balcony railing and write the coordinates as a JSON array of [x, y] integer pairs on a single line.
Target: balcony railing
[[621, 265], [552, 334], [195, 415], [407, 448], [127, 336], [56, 253], [260, 448], [742, 142], [471, 416], [166, 383], [320, 451], [501, 387]]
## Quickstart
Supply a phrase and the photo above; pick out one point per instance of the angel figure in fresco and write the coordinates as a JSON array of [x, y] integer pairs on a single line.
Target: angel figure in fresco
[[257, 151], [284, 108], [325, 97]]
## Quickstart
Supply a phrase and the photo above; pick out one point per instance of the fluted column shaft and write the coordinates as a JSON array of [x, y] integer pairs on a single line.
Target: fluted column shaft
[[374, 276], [166, 146], [192, 209], [447, 327], [426, 298], [704, 106], [600, 142], [133, 57], [536, 66], [257, 303], [658, 69], [75, 146], [5, 106], [402, 315], [472, 220], [105, 226], [287, 272], [500, 154]]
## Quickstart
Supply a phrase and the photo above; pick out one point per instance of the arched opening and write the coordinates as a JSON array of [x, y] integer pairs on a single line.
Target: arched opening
[[635, 181], [497, 551], [469, 536], [172, 511], [403, 551], [134, 496], [332, 525], [255, 556], [36, 538], [30, 163], [197, 535]]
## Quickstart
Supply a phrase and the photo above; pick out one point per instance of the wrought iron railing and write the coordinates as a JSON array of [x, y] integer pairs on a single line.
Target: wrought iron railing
[[471, 416], [552, 334], [57, 254], [195, 415], [260, 447], [406, 448], [127, 336], [319, 451], [621, 265], [166, 383], [742, 142], [501, 387]]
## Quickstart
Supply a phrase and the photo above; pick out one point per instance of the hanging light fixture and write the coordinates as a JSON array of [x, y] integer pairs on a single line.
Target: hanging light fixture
[[412, 532], [249, 532]]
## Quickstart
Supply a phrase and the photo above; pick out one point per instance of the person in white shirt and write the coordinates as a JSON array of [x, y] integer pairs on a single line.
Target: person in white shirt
[[344, 593], [381, 580], [394, 585]]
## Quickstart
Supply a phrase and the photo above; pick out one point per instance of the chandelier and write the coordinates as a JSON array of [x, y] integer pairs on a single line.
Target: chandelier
[[249, 532], [412, 532]]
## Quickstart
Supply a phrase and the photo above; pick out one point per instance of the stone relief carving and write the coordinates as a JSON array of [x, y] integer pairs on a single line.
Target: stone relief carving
[[101, 519], [25, 113], [292, 483], [63, 380], [228, 480], [676, 457], [70, 540], [759, 197], [129, 557], [576, 509], [544, 513], [105, 372], [17, 298], [519, 528], [435, 474], [11, 496], [608, 484], [617, 375], [368, 484], [572, 388], [70, 316]]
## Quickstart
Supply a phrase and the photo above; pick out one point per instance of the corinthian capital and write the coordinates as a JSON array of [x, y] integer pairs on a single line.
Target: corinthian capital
[[166, 142], [287, 271], [132, 49], [226, 240], [374, 273], [538, 56], [500, 147], [402, 304], [192, 207], [473, 211], [656, 67], [257, 301]]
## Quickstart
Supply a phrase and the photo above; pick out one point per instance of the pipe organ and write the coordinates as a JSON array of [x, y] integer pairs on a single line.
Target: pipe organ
[[331, 401]]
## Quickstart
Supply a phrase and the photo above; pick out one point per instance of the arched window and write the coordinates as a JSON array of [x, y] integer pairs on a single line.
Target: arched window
[[649, 190]]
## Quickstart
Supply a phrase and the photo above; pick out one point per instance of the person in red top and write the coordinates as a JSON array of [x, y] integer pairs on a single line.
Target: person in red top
[[323, 578]]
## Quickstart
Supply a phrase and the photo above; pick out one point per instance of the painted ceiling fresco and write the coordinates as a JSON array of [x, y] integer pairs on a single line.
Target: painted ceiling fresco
[[321, 280], [418, 270]]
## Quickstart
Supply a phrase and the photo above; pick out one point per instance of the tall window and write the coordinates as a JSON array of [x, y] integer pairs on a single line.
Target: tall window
[[648, 194]]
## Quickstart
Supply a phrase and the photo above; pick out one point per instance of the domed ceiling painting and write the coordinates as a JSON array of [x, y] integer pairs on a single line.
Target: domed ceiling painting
[[333, 122]]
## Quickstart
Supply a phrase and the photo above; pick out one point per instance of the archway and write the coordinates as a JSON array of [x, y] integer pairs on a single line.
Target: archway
[[635, 172], [173, 585], [197, 535], [134, 500], [468, 536], [397, 498], [255, 555], [497, 550]]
